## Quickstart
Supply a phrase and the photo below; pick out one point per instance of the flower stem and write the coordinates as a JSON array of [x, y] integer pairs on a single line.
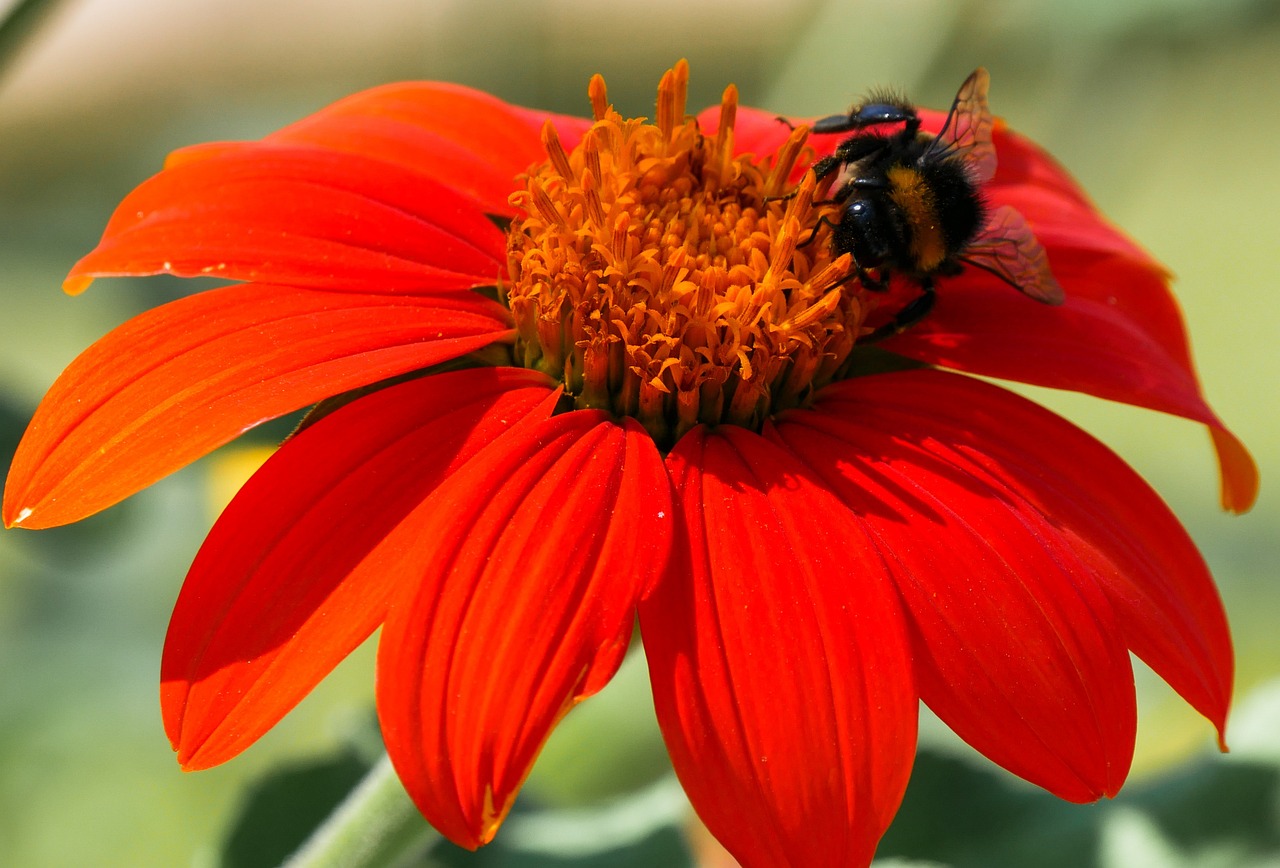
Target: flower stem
[[377, 824]]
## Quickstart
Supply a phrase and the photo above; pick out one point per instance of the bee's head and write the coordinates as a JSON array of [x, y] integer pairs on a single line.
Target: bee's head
[[867, 230]]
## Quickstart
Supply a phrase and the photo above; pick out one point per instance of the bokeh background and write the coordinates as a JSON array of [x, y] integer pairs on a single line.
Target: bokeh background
[[1165, 109]]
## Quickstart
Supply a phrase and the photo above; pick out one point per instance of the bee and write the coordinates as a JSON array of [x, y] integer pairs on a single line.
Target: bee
[[911, 203]]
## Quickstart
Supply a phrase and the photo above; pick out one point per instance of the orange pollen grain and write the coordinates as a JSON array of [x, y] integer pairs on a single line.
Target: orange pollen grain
[[660, 276]]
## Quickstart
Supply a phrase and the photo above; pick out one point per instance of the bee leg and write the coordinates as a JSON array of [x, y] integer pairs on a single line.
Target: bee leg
[[813, 233], [780, 119], [884, 110], [865, 280], [824, 167], [875, 284], [914, 311], [835, 124], [853, 149]]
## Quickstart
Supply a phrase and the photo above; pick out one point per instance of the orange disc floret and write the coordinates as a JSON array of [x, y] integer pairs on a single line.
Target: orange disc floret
[[662, 277]]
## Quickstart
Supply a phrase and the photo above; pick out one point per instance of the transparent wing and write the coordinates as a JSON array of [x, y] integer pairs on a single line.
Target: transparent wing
[[967, 131], [1008, 249]]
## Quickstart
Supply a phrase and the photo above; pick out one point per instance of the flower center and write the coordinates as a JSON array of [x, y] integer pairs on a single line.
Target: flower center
[[660, 277]]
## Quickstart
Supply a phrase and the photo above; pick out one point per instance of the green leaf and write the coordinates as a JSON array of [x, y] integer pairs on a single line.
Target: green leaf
[[280, 812], [960, 815]]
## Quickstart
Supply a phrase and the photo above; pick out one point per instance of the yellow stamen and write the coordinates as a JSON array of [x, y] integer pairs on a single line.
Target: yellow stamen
[[544, 204], [555, 151], [721, 155], [662, 277], [672, 91], [591, 156], [599, 97], [786, 161], [591, 197]]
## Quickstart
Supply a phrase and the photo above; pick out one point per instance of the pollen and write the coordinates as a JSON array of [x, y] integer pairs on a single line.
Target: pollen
[[660, 276]]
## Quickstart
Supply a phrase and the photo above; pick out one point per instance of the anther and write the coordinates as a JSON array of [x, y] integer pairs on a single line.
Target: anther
[[591, 199], [555, 151], [591, 157], [672, 91], [618, 243], [722, 153], [834, 273], [780, 174], [819, 310], [544, 205], [599, 96], [802, 200]]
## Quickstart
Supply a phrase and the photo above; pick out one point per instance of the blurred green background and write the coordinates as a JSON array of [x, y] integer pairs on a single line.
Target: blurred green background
[[1165, 109]]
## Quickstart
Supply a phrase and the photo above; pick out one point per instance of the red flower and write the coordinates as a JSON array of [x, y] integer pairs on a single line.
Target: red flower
[[667, 412]]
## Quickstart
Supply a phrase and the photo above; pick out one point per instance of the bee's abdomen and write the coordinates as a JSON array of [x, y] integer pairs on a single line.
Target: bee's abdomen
[[942, 211], [918, 207], [959, 204]]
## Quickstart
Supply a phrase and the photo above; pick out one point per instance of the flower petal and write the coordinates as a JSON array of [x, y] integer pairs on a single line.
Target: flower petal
[[1118, 336], [1169, 611], [180, 380], [520, 601], [1017, 646], [276, 598], [778, 659], [300, 215], [464, 138]]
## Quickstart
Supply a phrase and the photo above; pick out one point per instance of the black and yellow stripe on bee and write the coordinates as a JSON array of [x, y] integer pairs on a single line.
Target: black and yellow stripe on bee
[[915, 198]]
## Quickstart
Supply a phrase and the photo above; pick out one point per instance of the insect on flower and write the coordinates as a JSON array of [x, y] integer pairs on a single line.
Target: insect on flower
[[615, 385], [912, 203]]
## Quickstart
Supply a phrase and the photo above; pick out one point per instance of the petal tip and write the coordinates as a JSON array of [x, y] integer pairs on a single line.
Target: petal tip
[[490, 820], [194, 759], [184, 757], [16, 520], [1240, 479], [76, 283], [1240, 489]]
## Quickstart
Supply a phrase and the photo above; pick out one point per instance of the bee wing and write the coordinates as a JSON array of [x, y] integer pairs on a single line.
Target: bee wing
[[967, 130], [1009, 249]]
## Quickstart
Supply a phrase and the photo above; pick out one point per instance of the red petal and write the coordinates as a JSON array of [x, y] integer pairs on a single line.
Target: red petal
[[778, 659], [275, 598], [1118, 336], [1026, 512], [299, 215], [520, 600], [464, 138], [180, 380], [1168, 608]]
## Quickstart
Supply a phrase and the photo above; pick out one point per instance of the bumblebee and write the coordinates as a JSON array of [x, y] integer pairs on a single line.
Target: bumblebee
[[911, 203]]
